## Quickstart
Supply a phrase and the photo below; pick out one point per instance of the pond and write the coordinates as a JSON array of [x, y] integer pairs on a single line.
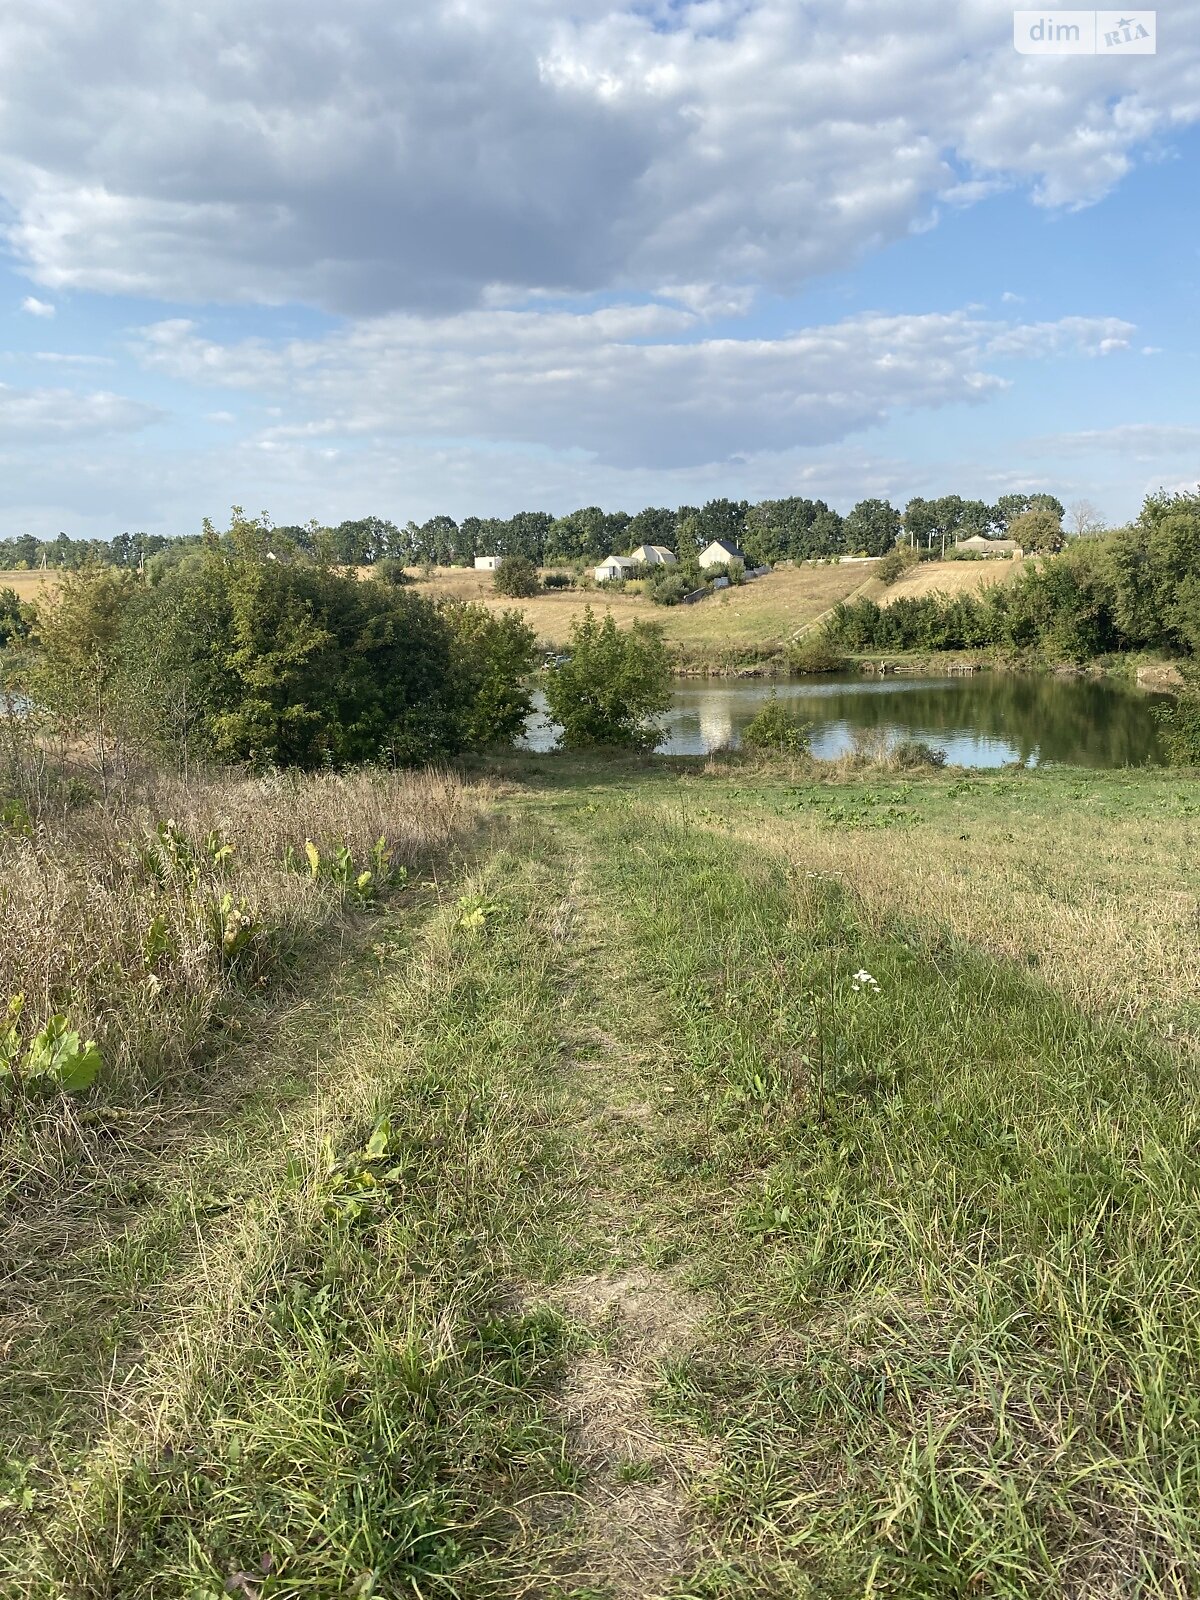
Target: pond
[[982, 720]]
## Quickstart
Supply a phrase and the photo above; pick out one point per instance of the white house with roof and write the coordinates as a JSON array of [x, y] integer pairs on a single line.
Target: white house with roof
[[988, 547], [613, 568], [655, 555], [720, 553]]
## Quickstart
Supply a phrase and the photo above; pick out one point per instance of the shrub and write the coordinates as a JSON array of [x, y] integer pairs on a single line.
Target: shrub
[[516, 577], [815, 653], [1179, 730], [668, 590], [391, 571], [894, 565], [916, 753], [557, 580], [777, 729], [612, 686]]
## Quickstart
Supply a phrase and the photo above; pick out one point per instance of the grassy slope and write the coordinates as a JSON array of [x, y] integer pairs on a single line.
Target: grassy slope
[[760, 615], [950, 578], [689, 1268]]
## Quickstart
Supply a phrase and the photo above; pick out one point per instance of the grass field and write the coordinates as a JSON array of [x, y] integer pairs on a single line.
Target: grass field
[[594, 1226], [27, 585], [760, 615], [948, 578]]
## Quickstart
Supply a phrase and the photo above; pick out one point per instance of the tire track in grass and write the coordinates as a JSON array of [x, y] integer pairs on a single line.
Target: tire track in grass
[[946, 1226]]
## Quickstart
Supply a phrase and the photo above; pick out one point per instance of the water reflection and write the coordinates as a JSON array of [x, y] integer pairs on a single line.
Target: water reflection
[[986, 720]]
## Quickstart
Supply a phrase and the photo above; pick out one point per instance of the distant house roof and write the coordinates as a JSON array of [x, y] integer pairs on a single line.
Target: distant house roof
[[721, 550], [616, 564], [655, 555], [978, 542]]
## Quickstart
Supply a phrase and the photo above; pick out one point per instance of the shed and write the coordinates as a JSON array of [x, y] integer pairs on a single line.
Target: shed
[[613, 568], [487, 563]]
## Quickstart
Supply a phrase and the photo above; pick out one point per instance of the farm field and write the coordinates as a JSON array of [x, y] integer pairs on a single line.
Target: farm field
[[27, 585], [847, 1250]]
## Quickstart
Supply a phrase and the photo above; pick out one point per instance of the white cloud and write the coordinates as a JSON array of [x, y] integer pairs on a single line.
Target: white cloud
[[1127, 442], [631, 386], [369, 157], [36, 307], [65, 413]]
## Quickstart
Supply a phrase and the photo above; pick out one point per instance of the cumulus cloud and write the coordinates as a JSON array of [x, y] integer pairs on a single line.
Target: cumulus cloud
[[35, 307], [368, 157], [632, 386]]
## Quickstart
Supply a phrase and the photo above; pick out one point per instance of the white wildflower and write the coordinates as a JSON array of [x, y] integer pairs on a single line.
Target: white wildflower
[[864, 980]]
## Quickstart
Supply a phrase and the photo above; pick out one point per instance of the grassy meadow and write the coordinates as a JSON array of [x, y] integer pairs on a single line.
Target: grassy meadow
[[758, 616], [27, 586], [699, 1179]]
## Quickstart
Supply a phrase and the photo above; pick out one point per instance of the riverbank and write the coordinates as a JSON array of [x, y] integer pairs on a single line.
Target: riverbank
[[672, 1200]]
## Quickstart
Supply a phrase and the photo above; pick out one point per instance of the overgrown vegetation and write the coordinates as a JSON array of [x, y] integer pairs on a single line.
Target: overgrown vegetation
[[234, 654], [1134, 589]]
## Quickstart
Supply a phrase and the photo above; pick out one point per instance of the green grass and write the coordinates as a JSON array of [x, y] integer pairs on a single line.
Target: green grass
[[681, 1265]]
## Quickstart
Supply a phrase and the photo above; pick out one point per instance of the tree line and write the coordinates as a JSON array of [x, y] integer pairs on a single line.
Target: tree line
[[792, 528], [1136, 588]]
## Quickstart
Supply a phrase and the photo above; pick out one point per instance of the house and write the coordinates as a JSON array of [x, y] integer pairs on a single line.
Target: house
[[655, 555], [988, 547], [487, 563], [720, 553], [613, 568]]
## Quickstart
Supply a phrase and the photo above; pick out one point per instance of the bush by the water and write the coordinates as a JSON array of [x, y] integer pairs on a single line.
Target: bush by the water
[[612, 686], [776, 729], [229, 654], [1179, 730], [815, 653]]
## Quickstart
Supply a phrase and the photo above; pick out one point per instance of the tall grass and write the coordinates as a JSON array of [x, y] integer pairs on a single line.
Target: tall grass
[[153, 922]]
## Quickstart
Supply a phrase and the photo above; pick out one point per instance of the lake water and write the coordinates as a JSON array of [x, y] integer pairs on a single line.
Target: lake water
[[984, 720]]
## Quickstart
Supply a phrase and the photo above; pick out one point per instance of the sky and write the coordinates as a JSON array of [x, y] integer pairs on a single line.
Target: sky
[[332, 258]]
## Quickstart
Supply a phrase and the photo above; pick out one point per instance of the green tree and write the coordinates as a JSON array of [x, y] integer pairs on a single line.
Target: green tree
[[873, 527], [1038, 531], [516, 577], [492, 659], [612, 687]]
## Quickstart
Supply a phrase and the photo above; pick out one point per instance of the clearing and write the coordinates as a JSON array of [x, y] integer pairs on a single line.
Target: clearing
[[719, 1182]]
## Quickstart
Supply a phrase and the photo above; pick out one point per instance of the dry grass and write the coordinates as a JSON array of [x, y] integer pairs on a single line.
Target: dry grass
[[80, 894], [28, 585], [1087, 879], [763, 613], [950, 578]]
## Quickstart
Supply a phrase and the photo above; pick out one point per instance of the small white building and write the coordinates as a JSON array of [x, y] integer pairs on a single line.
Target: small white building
[[988, 547], [655, 555], [720, 553], [613, 568], [487, 563]]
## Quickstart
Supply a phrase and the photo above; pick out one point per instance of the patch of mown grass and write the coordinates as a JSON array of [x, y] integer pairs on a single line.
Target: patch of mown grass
[[951, 1219]]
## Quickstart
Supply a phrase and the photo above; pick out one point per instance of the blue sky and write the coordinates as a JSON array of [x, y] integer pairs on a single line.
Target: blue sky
[[324, 261]]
